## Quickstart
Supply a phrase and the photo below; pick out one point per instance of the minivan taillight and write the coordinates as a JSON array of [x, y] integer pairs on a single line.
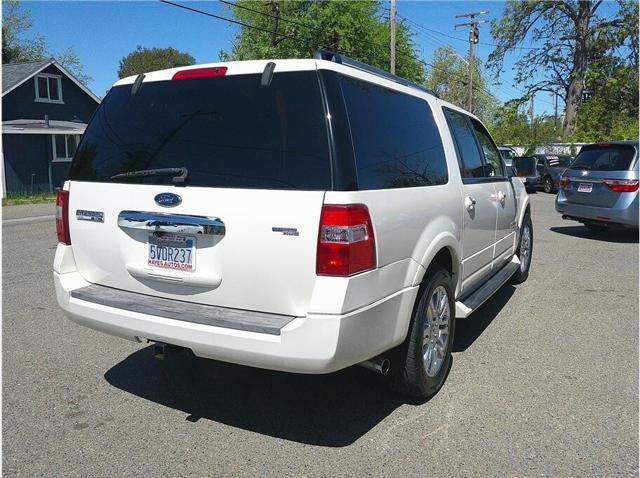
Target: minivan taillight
[[622, 185], [62, 217], [346, 245], [564, 182]]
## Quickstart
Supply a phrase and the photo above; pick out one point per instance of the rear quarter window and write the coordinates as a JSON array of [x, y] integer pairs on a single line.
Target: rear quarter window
[[395, 139]]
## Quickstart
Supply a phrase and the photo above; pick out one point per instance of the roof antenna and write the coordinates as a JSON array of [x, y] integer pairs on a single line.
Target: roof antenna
[[267, 75], [137, 84]]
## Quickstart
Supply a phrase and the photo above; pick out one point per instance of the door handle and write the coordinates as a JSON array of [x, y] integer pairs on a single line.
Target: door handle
[[502, 197], [469, 203]]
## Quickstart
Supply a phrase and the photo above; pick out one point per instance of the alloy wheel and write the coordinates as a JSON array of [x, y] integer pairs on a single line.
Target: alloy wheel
[[525, 247], [436, 331]]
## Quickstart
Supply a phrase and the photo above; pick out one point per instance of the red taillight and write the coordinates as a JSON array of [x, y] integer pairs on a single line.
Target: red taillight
[[564, 182], [200, 73], [622, 185], [62, 217], [520, 174], [346, 244]]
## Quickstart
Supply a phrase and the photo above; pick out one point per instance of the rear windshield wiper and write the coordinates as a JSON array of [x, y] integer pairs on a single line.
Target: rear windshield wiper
[[180, 174]]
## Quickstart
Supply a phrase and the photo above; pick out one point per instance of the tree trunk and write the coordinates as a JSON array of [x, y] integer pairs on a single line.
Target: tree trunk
[[579, 72]]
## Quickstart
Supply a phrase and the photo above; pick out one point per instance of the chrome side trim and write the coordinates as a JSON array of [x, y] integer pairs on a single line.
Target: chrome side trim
[[166, 222]]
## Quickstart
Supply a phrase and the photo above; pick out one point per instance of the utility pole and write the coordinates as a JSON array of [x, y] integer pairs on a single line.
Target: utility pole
[[275, 19], [392, 46], [532, 118], [555, 113], [474, 37]]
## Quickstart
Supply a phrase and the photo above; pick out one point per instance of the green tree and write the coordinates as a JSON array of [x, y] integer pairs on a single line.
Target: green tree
[[295, 29], [567, 32], [15, 22], [143, 60], [511, 125], [610, 110], [448, 77]]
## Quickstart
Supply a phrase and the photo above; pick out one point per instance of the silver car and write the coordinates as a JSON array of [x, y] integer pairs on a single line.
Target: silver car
[[600, 188]]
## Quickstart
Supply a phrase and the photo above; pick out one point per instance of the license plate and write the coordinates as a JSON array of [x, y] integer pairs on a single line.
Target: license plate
[[172, 251], [585, 187]]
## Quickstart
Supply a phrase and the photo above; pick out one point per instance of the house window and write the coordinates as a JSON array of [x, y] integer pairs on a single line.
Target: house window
[[64, 146], [48, 88]]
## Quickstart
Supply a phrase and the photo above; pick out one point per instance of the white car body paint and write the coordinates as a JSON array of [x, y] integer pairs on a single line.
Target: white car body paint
[[339, 321]]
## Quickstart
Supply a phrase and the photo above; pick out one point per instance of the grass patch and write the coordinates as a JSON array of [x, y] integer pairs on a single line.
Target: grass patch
[[39, 198]]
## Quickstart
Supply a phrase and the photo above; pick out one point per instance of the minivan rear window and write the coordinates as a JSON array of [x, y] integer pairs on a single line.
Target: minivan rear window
[[227, 131], [614, 157]]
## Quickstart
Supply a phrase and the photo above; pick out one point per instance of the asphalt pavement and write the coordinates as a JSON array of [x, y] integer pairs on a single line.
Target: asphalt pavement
[[544, 382]]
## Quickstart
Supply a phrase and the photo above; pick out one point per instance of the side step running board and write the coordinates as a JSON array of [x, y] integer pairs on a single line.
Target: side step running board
[[470, 303]]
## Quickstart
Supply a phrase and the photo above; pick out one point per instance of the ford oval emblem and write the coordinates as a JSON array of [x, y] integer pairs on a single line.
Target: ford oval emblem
[[168, 199]]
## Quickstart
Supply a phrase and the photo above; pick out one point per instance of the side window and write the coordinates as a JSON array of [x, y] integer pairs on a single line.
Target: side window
[[491, 154], [469, 159], [48, 88], [395, 139]]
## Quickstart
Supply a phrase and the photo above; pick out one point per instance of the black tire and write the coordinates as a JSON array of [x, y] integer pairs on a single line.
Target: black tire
[[408, 374], [547, 184], [522, 273]]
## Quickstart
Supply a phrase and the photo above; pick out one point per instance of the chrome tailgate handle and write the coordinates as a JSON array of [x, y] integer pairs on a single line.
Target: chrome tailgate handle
[[166, 222]]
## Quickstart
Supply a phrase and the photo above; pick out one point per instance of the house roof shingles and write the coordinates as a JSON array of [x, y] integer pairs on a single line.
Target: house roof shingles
[[15, 73]]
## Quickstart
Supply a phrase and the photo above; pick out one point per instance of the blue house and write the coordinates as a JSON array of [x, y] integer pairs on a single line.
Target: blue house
[[45, 110]]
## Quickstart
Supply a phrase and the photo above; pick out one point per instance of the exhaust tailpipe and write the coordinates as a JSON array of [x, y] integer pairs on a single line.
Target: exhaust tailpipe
[[378, 364], [160, 351]]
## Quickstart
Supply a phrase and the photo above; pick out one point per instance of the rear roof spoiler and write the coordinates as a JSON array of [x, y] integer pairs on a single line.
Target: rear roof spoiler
[[345, 60]]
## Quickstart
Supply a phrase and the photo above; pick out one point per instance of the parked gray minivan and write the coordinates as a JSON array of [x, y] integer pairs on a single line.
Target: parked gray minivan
[[600, 188]]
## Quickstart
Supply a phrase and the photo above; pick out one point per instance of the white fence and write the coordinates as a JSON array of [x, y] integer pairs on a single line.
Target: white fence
[[551, 148]]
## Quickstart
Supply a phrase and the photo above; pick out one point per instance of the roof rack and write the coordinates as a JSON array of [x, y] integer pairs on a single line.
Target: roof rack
[[345, 60]]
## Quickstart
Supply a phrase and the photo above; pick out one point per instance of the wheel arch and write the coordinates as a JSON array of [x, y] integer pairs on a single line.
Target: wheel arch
[[443, 250], [524, 208]]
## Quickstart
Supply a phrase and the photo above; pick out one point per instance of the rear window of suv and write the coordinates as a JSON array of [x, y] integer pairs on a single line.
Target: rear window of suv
[[227, 131], [614, 157]]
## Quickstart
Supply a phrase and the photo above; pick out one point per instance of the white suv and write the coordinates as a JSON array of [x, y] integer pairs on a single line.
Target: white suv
[[295, 215]]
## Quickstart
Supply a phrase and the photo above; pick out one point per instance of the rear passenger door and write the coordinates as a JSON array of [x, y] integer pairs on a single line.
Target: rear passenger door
[[505, 199], [480, 213]]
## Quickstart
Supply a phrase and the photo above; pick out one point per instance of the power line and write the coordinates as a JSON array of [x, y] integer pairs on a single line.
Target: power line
[[293, 37], [458, 38], [426, 36], [283, 19], [202, 12], [362, 41]]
